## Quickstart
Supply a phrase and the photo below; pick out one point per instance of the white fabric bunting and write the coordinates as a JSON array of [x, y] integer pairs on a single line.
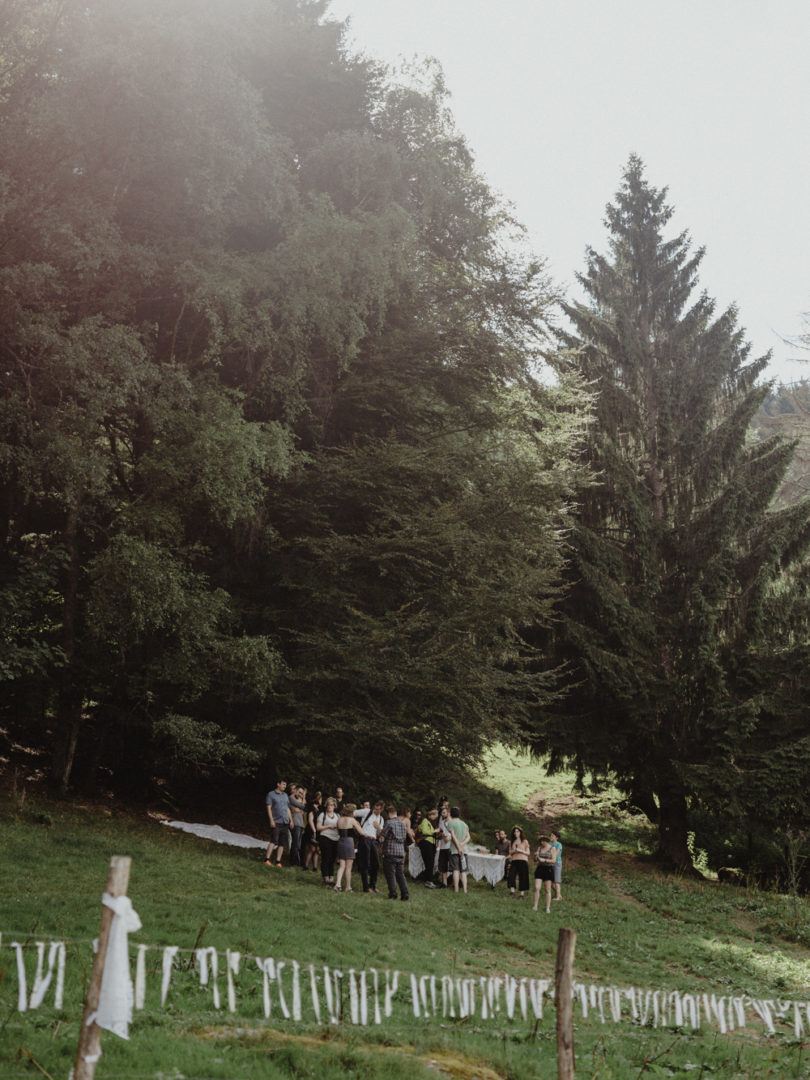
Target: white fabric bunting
[[371, 994]]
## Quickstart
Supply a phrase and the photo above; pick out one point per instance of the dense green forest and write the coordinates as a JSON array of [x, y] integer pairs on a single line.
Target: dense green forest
[[280, 486], [287, 483]]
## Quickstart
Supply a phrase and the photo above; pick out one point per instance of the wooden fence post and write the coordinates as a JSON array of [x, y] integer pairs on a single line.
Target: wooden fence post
[[563, 979], [89, 1048]]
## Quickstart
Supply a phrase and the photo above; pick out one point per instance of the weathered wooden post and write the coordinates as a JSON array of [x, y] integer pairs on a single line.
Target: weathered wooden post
[[563, 979], [89, 1049]]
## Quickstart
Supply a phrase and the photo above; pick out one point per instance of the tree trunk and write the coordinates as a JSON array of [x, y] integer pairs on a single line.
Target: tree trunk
[[673, 829], [641, 796], [69, 704]]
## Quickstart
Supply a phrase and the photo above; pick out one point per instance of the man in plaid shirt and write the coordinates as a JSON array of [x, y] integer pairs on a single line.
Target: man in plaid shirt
[[393, 851]]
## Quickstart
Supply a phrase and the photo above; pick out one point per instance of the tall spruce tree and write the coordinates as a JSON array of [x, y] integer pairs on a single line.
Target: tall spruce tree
[[684, 654]]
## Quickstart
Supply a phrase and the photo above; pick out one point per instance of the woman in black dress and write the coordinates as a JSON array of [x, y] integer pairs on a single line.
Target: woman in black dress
[[546, 857], [348, 827], [310, 843]]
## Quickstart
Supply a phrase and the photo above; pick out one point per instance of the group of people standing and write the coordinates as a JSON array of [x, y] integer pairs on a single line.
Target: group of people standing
[[548, 872], [332, 834]]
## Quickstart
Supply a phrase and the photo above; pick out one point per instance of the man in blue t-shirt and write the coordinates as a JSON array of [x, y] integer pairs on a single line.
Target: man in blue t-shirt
[[557, 847], [280, 815]]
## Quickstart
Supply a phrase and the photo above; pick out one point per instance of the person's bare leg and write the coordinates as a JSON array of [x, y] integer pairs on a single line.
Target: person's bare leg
[[349, 875], [341, 866], [464, 880], [455, 880], [537, 885], [548, 897]]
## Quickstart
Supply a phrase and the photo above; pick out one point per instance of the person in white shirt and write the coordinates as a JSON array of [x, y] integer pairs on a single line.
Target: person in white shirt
[[443, 843], [368, 858]]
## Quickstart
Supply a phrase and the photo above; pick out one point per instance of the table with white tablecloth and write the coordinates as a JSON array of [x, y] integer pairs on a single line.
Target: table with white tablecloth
[[416, 864], [483, 865], [480, 864]]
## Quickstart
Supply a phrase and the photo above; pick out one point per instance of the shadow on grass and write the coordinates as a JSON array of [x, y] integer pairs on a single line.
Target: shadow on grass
[[620, 833]]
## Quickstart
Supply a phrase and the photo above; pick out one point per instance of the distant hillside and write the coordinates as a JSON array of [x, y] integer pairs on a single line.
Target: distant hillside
[[787, 412]]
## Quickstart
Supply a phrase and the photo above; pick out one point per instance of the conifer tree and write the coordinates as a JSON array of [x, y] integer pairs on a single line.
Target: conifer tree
[[682, 649]]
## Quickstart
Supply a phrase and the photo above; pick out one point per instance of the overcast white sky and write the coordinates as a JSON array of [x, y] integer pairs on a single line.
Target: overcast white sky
[[714, 95]]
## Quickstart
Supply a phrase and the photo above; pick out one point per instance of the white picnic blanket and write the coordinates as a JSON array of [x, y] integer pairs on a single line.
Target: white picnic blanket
[[218, 834]]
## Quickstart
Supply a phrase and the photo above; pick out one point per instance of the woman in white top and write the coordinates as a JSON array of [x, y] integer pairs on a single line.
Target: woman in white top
[[328, 835]]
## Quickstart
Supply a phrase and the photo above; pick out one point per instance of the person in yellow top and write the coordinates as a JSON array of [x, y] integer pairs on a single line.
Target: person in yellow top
[[426, 839]]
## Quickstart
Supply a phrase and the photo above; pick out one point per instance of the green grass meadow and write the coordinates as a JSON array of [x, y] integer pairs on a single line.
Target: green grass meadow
[[635, 927]]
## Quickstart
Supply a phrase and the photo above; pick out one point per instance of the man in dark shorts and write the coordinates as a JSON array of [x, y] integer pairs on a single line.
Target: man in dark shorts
[[459, 838], [443, 844], [280, 815]]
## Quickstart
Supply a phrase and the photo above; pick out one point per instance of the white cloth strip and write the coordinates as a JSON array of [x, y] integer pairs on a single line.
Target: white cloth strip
[[423, 997], [169, 954], [202, 963], [482, 985], [447, 996], [470, 984], [140, 978], [213, 959], [354, 1001], [763, 1010], [313, 987], [22, 986], [391, 984], [60, 975], [296, 991], [363, 999], [377, 1014], [232, 960], [690, 1008], [336, 976], [280, 988], [523, 999], [415, 996], [739, 1009], [510, 992], [328, 995], [117, 995], [38, 976], [267, 968], [42, 980]]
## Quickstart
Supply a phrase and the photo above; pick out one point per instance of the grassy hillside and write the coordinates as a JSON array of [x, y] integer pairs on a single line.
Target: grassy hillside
[[635, 926]]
